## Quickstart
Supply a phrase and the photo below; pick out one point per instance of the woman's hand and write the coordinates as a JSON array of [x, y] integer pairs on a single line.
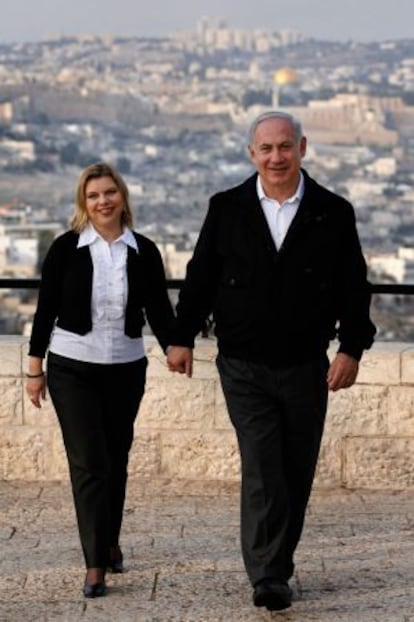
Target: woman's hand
[[36, 389]]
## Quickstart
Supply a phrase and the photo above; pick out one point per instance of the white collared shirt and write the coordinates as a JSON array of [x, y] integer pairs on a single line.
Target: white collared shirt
[[107, 342], [279, 216]]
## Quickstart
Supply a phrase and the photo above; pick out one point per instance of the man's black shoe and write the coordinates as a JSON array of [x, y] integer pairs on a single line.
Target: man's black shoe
[[272, 594]]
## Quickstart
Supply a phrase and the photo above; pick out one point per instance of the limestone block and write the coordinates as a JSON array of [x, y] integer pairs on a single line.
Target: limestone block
[[156, 487], [177, 402], [205, 354], [23, 453], [362, 409], [44, 416], [329, 467], [379, 463], [206, 349], [401, 411], [184, 434], [11, 412], [151, 346], [381, 364], [221, 415], [56, 462], [407, 366], [203, 369], [11, 355], [192, 455], [145, 454], [157, 366]]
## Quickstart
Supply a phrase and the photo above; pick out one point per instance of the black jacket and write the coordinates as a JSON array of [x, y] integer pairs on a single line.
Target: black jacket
[[66, 292], [283, 306]]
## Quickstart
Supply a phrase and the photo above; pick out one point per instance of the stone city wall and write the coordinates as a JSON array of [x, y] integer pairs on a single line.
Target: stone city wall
[[184, 440]]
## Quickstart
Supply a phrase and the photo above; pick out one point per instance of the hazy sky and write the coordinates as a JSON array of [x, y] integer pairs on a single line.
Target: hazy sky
[[359, 20]]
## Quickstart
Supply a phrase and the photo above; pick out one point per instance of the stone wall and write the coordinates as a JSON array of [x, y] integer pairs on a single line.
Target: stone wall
[[184, 439]]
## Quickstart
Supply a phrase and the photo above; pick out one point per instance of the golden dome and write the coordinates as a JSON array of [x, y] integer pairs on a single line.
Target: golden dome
[[285, 75]]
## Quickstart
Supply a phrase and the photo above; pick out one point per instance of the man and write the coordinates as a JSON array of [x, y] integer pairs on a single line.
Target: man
[[279, 263]]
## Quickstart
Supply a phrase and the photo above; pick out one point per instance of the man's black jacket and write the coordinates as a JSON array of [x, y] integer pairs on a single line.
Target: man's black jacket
[[278, 307]]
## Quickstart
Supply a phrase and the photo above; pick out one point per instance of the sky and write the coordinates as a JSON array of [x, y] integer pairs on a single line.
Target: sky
[[344, 20]]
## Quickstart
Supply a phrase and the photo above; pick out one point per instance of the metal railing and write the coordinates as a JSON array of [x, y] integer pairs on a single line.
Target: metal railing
[[376, 288], [26, 283], [393, 289]]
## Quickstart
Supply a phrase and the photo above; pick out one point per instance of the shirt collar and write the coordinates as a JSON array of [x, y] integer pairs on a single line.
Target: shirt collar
[[297, 196], [89, 235]]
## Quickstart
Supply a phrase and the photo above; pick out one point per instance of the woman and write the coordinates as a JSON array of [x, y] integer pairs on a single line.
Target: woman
[[98, 281]]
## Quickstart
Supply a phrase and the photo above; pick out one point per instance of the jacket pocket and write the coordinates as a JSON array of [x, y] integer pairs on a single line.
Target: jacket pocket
[[233, 309]]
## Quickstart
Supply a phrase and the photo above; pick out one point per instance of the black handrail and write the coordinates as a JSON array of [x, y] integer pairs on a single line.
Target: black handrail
[[392, 288], [376, 288], [12, 283], [19, 283]]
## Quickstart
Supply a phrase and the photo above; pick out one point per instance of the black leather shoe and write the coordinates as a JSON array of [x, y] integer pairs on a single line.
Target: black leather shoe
[[94, 590], [272, 594], [116, 560], [117, 565]]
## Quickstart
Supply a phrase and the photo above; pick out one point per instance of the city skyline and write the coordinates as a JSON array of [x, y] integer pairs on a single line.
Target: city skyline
[[371, 20]]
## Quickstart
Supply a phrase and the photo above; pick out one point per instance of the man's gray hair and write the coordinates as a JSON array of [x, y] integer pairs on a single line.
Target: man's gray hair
[[276, 114]]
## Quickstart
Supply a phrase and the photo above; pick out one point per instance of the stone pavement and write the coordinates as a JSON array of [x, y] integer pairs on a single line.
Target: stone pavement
[[355, 562]]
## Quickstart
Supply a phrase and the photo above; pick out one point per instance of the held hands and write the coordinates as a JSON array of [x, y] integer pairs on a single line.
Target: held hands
[[342, 372], [36, 389], [180, 359]]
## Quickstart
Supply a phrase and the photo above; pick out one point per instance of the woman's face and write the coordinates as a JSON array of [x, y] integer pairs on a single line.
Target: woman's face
[[104, 204]]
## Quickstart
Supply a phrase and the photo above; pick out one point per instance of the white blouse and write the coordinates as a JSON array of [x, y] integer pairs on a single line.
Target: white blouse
[[107, 342]]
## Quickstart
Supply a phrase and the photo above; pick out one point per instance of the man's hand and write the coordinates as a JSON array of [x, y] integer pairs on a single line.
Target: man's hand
[[342, 372], [180, 359]]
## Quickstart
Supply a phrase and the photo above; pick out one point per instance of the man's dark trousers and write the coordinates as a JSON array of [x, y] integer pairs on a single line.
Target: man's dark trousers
[[278, 414]]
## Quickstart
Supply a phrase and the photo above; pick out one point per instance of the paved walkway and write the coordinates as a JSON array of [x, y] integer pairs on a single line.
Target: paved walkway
[[355, 562]]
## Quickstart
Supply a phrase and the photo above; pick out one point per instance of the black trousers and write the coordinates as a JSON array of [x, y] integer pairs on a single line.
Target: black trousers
[[278, 416], [96, 406]]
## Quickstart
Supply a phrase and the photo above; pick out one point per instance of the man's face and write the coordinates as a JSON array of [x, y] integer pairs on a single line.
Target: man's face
[[277, 155]]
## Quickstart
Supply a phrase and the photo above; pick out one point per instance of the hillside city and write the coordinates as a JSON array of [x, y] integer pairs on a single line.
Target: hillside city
[[173, 113]]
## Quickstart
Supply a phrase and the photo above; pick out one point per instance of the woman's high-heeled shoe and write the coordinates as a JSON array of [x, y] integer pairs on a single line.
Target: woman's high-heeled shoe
[[116, 565], [94, 590]]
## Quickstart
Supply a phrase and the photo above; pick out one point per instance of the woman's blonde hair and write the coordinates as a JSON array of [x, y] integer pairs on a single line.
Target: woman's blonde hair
[[94, 171]]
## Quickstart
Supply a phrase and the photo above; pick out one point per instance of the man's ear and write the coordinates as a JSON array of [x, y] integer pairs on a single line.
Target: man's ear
[[302, 146]]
